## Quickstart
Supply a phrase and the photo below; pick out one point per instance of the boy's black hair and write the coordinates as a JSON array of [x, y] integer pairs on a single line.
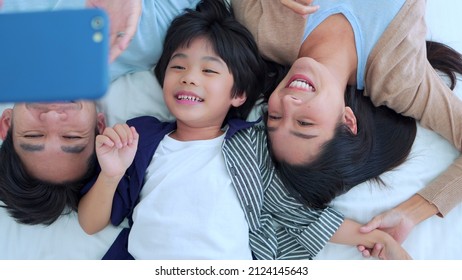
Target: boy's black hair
[[213, 20]]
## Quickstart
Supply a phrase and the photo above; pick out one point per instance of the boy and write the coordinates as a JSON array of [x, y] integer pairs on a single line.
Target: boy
[[195, 188]]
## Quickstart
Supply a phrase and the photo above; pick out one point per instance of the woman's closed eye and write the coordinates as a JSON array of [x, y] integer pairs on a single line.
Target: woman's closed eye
[[300, 123], [274, 117]]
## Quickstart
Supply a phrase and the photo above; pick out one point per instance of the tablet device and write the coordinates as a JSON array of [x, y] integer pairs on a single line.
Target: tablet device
[[54, 55]]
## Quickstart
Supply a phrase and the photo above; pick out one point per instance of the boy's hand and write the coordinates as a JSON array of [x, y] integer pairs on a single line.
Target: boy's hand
[[301, 7], [370, 252], [116, 149], [389, 250], [123, 16]]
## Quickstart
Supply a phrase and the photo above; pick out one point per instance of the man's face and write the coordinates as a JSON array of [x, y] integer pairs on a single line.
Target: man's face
[[54, 140]]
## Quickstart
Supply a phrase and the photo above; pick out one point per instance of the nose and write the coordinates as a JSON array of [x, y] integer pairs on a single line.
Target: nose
[[53, 115], [291, 100], [290, 104], [189, 78]]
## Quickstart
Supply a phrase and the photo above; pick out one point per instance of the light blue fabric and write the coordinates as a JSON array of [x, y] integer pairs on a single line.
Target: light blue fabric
[[37, 5], [145, 48], [368, 18]]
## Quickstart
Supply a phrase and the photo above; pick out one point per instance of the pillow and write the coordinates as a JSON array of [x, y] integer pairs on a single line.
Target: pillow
[[133, 95]]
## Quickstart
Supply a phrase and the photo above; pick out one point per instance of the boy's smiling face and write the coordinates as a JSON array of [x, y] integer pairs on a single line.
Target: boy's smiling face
[[198, 86]]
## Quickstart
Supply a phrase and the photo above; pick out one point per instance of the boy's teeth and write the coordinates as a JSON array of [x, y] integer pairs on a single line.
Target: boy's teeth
[[190, 98]]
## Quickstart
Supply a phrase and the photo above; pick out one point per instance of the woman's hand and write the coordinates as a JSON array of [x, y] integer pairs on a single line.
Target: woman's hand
[[301, 7], [124, 16], [399, 221], [394, 222]]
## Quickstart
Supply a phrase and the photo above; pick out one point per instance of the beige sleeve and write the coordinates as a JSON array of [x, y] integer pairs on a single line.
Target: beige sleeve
[[277, 30], [399, 76]]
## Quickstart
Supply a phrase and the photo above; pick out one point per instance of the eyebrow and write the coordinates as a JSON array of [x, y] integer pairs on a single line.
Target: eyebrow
[[209, 58], [295, 133], [38, 148]]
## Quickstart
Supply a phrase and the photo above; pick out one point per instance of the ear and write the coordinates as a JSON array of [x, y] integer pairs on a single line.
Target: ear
[[349, 119], [239, 100], [5, 122], [100, 122]]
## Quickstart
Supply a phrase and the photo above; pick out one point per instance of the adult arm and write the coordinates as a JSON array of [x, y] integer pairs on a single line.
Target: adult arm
[[399, 221], [273, 26], [399, 76], [115, 149]]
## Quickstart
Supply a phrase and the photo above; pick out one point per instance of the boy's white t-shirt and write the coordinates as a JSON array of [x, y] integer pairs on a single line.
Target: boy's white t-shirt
[[188, 207]]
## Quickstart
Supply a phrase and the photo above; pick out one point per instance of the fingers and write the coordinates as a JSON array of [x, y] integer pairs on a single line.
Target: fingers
[[371, 225], [135, 135], [301, 7], [115, 45], [119, 136], [378, 251], [103, 140], [120, 41], [364, 251], [130, 29], [124, 16]]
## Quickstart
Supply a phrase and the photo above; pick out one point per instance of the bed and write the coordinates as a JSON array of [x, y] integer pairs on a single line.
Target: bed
[[133, 95]]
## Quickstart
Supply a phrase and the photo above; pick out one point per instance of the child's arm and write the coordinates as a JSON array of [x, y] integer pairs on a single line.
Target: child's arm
[[116, 149], [348, 233]]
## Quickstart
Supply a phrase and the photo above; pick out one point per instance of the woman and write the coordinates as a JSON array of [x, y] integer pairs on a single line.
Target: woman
[[383, 52]]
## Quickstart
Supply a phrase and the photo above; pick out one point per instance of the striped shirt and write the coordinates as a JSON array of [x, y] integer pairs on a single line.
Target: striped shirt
[[280, 227]]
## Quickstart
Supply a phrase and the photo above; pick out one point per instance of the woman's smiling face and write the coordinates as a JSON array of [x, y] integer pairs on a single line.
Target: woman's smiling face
[[304, 111]]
